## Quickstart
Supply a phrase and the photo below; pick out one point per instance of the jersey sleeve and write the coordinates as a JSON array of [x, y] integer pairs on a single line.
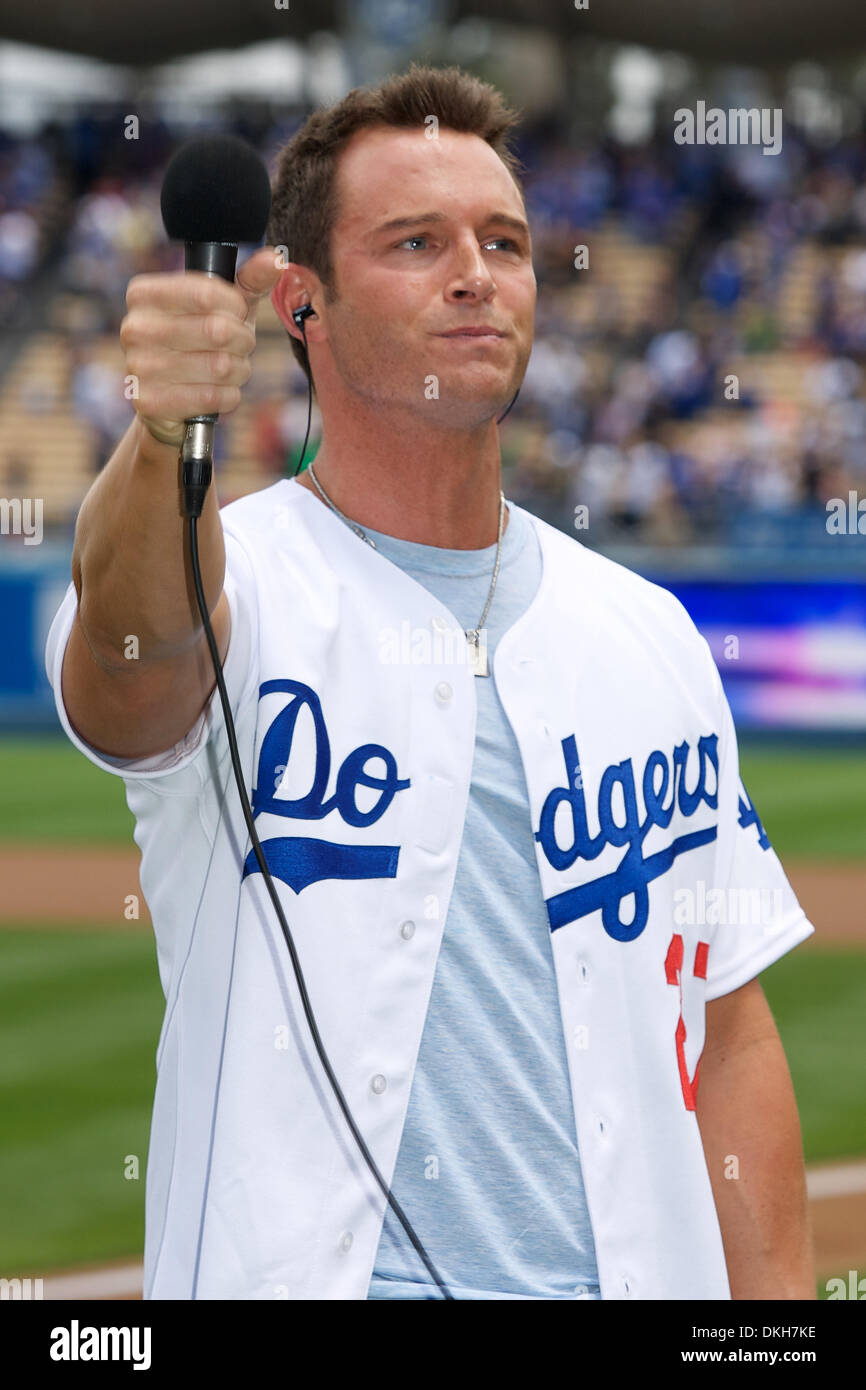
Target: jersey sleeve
[[240, 672], [756, 918]]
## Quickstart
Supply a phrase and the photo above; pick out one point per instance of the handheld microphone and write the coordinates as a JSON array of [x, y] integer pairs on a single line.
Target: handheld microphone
[[216, 193]]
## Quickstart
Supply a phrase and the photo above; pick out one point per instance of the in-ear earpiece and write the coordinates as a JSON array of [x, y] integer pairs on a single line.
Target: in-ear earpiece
[[300, 314]]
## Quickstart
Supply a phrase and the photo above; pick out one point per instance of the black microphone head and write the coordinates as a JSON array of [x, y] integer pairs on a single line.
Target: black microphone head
[[216, 188]]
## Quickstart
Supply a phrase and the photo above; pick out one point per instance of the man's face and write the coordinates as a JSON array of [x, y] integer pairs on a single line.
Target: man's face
[[455, 261]]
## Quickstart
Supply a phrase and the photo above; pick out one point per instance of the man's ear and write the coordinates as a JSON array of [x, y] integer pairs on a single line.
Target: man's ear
[[296, 287]]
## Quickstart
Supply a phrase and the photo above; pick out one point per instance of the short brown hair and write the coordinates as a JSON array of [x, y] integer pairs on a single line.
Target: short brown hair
[[304, 207]]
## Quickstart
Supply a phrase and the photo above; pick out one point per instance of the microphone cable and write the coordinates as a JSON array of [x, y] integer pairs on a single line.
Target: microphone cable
[[192, 508]]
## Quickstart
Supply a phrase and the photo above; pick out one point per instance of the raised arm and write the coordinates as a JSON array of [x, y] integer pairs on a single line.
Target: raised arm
[[137, 672]]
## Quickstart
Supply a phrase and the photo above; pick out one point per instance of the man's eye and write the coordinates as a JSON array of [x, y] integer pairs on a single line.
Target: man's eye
[[504, 240]]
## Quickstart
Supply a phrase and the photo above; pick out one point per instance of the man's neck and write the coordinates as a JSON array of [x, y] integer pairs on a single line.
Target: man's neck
[[435, 488]]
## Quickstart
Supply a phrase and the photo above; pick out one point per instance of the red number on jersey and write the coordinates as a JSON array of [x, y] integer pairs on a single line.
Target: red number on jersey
[[673, 975]]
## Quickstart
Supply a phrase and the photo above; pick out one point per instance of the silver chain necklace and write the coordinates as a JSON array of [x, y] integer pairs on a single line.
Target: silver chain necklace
[[476, 637]]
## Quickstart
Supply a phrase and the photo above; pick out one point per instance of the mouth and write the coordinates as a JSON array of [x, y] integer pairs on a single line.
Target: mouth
[[489, 333]]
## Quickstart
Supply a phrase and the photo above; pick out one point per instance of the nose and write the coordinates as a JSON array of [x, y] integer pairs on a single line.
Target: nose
[[470, 276]]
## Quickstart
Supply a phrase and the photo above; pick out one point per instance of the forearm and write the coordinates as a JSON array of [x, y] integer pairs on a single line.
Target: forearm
[[130, 557], [750, 1128]]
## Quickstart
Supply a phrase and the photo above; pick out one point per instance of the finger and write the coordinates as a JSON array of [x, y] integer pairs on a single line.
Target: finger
[[182, 402], [150, 328], [258, 275], [190, 292], [190, 368]]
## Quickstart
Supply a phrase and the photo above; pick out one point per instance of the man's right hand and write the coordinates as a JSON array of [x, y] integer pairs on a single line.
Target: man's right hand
[[188, 339]]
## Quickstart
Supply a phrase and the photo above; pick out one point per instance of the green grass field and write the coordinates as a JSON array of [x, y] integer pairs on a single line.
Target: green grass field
[[50, 791], [812, 803], [80, 1011], [80, 1014]]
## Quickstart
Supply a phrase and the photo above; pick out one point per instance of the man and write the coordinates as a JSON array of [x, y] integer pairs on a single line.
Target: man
[[485, 774]]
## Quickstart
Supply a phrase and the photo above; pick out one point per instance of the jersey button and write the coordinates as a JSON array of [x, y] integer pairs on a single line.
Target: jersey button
[[378, 1084], [346, 1240], [440, 624], [407, 931], [443, 692]]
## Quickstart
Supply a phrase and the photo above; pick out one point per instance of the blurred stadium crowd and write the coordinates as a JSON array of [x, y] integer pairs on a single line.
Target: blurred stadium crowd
[[702, 363]]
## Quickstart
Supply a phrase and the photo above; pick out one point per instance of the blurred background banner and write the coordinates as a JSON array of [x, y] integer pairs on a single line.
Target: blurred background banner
[[694, 407]]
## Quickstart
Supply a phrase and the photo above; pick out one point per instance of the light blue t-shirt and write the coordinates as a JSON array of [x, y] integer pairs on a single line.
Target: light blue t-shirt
[[488, 1171]]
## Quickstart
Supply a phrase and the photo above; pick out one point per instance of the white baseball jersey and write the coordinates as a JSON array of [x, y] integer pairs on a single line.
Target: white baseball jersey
[[660, 886]]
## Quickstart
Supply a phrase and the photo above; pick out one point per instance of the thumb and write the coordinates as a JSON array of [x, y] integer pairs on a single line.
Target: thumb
[[257, 276]]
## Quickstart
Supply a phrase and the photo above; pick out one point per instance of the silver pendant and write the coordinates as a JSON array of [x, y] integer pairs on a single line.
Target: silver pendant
[[477, 642]]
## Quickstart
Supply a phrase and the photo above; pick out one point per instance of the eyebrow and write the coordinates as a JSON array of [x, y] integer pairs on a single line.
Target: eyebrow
[[503, 219]]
